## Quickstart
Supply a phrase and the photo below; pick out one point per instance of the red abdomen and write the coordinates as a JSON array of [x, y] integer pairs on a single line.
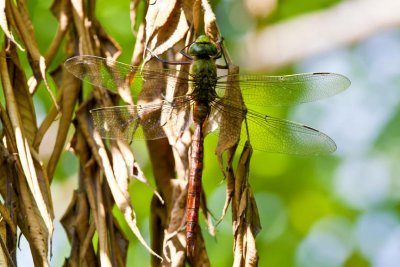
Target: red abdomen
[[194, 191]]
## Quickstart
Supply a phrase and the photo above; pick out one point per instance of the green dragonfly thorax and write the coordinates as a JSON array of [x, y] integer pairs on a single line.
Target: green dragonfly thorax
[[204, 73]]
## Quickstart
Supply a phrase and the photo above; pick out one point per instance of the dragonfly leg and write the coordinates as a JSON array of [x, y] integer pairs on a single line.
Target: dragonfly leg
[[221, 54], [186, 54], [171, 62]]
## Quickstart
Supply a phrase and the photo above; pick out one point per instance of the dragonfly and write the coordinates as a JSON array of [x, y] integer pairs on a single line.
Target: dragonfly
[[206, 100]]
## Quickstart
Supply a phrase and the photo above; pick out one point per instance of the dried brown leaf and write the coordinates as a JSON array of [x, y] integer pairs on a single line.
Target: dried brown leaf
[[119, 244], [251, 258], [197, 15], [122, 202], [108, 46], [87, 45], [25, 29], [41, 197], [22, 97], [34, 227], [4, 25], [127, 167], [133, 9], [84, 227], [138, 51], [46, 123], [229, 126], [157, 16], [4, 254], [87, 255], [101, 226], [70, 90], [210, 21], [229, 134], [62, 11], [238, 248], [175, 221], [6, 217], [170, 33], [246, 221]]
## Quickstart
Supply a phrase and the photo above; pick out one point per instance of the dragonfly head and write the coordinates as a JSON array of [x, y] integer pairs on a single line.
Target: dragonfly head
[[203, 48]]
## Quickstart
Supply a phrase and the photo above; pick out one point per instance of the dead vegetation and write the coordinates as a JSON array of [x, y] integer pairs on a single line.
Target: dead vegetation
[[105, 169]]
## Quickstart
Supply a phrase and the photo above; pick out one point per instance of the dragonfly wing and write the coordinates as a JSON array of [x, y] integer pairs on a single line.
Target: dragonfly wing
[[266, 133], [226, 121], [261, 90], [123, 122], [113, 75], [281, 136], [142, 122], [177, 119], [99, 71]]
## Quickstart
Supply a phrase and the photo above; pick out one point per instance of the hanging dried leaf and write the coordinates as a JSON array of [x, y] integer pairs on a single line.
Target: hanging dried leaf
[[62, 11], [229, 126], [4, 25], [121, 201], [70, 90], [23, 23], [6, 217], [35, 193], [157, 15], [174, 239], [210, 21], [133, 12], [164, 36], [76, 223], [22, 96], [4, 255], [246, 221]]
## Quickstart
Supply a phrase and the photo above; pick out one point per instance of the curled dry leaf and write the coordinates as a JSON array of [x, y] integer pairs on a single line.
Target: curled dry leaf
[[174, 236], [5, 257], [133, 169], [76, 223], [229, 135], [162, 37], [99, 201], [197, 15], [4, 25], [210, 21], [119, 244], [62, 11], [123, 203], [100, 219], [108, 46], [23, 25], [34, 228], [133, 12], [70, 90], [6, 217], [36, 198], [229, 126], [246, 221], [22, 96], [138, 51], [99, 150], [156, 17]]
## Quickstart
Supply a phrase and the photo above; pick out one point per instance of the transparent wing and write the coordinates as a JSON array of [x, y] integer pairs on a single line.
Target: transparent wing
[[112, 75], [282, 136], [138, 122], [261, 90], [270, 134]]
